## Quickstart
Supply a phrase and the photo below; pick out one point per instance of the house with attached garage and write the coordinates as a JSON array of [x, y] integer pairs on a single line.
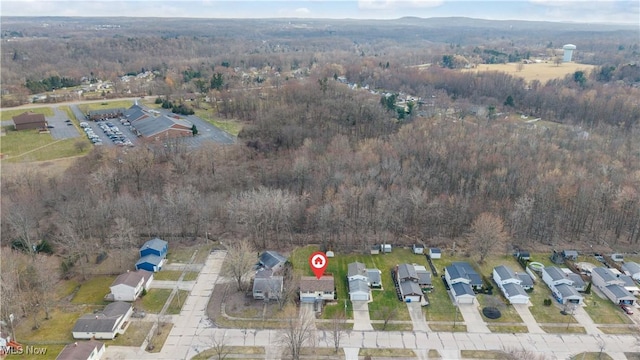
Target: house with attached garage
[[82, 350], [266, 286], [152, 255], [359, 290], [554, 276], [357, 270], [462, 272], [358, 274], [129, 286], [314, 290], [561, 285], [612, 286], [463, 293], [510, 285], [632, 269], [567, 294], [107, 324], [410, 291]]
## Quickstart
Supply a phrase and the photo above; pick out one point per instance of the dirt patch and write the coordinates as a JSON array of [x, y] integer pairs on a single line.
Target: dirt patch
[[239, 305]]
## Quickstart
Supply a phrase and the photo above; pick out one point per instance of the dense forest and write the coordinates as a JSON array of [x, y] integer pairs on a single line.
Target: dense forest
[[320, 162]]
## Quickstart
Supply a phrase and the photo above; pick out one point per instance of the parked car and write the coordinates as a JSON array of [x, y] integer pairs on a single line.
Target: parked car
[[50, 126], [626, 309]]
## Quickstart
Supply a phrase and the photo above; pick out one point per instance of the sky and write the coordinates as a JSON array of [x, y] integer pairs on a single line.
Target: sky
[[584, 11]]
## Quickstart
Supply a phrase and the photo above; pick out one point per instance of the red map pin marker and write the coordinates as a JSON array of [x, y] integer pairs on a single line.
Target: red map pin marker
[[318, 262]]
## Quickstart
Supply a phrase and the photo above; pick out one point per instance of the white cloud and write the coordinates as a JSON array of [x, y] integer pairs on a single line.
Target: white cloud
[[397, 4]]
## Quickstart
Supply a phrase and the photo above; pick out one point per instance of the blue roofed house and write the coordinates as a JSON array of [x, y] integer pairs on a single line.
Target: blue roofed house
[[152, 255]]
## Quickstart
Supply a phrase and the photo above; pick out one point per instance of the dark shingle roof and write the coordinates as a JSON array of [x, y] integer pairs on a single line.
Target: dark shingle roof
[[424, 277], [463, 270], [505, 273], [514, 289], [356, 268], [407, 271], [606, 274], [151, 126], [620, 292], [28, 118], [567, 291], [526, 279], [555, 273], [631, 267], [268, 284], [80, 350], [311, 283], [374, 276], [358, 285], [462, 289], [577, 280], [105, 321], [271, 259], [410, 288], [131, 278]]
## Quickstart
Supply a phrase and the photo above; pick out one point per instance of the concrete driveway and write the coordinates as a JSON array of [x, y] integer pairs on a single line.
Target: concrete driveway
[[528, 319], [473, 319], [361, 319], [60, 128], [417, 317], [585, 320]]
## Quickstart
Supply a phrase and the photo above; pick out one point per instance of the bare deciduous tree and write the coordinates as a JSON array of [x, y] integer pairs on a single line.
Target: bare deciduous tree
[[298, 332], [241, 257], [386, 314], [337, 329], [487, 233], [218, 345]]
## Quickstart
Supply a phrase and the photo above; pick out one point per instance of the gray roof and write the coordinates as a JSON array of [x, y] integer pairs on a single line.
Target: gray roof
[[555, 273], [311, 283], [567, 291], [514, 289], [572, 253], [505, 273], [462, 289], [436, 250], [374, 276], [268, 284], [106, 321], [356, 268], [628, 281], [577, 280], [79, 350], [135, 112], [620, 292], [463, 270], [271, 259], [410, 288], [358, 285], [106, 111], [155, 244], [116, 309], [151, 259], [424, 277], [606, 274], [132, 278], [526, 279], [631, 267], [154, 125], [407, 271]]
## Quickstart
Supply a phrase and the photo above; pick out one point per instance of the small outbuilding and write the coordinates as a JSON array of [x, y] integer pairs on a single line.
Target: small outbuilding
[[435, 253], [570, 255], [150, 262], [418, 249]]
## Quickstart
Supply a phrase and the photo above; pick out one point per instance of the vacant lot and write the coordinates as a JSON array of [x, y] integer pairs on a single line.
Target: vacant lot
[[55, 330], [30, 145], [93, 291], [154, 300], [542, 71], [6, 115], [135, 334]]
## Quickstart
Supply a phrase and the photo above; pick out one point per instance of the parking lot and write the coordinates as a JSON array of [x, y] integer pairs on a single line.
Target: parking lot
[[60, 126], [108, 132]]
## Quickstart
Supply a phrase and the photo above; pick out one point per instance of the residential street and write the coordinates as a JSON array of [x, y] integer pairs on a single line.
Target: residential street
[[193, 333]]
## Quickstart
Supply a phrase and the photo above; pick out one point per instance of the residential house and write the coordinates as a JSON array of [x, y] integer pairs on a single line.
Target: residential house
[[424, 277], [463, 293], [313, 289], [155, 246], [525, 281], [151, 263], [82, 350], [612, 286], [418, 249], [129, 286], [104, 325], [359, 290], [357, 270], [410, 291], [570, 255], [630, 285], [632, 269], [554, 276], [272, 260], [510, 284], [375, 278], [435, 253], [406, 272], [567, 294], [462, 272], [29, 120], [104, 114], [266, 286], [578, 283]]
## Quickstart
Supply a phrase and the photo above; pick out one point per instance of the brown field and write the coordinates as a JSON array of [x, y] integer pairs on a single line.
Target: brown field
[[539, 71], [49, 168]]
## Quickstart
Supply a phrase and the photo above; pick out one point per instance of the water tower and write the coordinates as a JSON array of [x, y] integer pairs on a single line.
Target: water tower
[[568, 52]]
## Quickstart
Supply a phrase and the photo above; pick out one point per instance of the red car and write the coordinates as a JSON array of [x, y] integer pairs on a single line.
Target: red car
[[626, 309]]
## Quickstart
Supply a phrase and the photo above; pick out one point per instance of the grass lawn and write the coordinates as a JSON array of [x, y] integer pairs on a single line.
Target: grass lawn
[[190, 276], [619, 330], [57, 328], [387, 353], [51, 352], [392, 327], [484, 354], [154, 300], [93, 291], [125, 104], [603, 311], [592, 356], [231, 126], [169, 275], [177, 302], [134, 336], [509, 314], [433, 354], [29, 145], [66, 288], [448, 327], [230, 350], [564, 329], [508, 328], [6, 115], [160, 336], [546, 314]]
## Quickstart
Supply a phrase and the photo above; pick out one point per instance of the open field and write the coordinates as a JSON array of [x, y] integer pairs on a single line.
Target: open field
[[106, 105], [6, 115], [93, 291], [183, 254], [56, 329], [540, 71], [30, 145], [233, 127]]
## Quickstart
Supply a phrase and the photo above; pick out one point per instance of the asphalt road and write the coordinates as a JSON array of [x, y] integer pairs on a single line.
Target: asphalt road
[[206, 131], [61, 129]]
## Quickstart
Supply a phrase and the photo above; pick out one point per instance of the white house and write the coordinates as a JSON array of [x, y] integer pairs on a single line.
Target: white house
[[578, 283], [82, 350], [266, 286], [129, 286], [554, 276], [313, 289], [359, 290], [104, 325], [612, 285], [356, 270], [463, 293], [632, 269], [630, 285], [435, 253], [567, 294], [410, 291], [510, 285], [462, 272]]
